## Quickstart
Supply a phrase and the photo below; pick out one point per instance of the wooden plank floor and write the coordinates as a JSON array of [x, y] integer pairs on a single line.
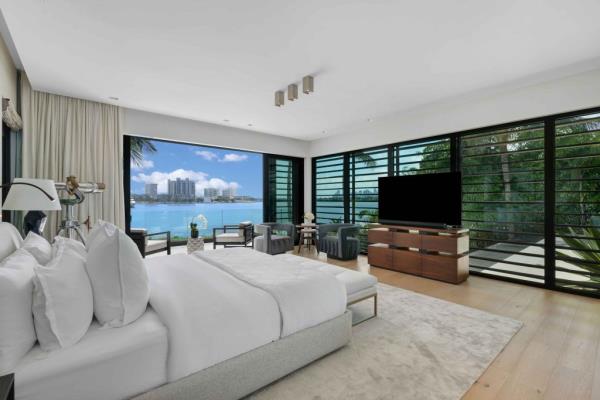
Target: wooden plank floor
[[556, 355]]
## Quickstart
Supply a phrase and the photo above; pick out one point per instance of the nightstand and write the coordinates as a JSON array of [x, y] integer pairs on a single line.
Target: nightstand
[[7, 387]]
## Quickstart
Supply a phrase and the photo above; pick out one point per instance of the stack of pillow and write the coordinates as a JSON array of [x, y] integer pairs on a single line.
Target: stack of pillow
[[51, 293]]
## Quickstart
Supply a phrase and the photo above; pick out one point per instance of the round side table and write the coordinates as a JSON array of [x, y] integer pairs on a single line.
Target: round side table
[[307, 237], [195, 244]]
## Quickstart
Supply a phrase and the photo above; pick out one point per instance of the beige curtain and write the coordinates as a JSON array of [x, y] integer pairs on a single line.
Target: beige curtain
[[65, 136]]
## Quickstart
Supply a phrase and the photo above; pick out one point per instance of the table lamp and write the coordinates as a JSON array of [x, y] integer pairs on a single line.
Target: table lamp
[[35, 196]]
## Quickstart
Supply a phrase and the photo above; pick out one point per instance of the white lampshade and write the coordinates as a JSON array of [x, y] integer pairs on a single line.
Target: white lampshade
[[30, 198]]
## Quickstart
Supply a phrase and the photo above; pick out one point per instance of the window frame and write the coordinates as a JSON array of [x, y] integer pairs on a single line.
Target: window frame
[[549, 150]]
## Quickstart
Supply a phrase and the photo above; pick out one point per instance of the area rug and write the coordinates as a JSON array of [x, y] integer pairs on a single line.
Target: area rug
[[418, 348]]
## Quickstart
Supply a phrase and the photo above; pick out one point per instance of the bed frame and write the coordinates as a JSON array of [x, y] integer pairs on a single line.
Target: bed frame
[[248, 372]]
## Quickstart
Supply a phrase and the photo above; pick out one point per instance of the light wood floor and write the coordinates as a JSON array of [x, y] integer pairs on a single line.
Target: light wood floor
[[556, 355]]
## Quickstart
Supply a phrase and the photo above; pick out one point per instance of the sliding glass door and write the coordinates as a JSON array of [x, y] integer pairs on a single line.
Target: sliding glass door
[[577, 202], [503, 201]]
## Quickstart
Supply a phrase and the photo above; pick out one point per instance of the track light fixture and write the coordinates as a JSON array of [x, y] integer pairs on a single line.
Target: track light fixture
[[308, 84], [279, 98], [292, 92]]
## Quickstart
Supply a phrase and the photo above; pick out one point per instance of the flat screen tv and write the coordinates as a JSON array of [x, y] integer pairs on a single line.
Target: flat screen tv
[[431, 200]]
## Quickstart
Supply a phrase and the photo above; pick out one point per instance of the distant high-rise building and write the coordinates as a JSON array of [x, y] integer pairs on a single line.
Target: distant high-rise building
[[210, 194], [229, 193], [151, 190], [182, 189]]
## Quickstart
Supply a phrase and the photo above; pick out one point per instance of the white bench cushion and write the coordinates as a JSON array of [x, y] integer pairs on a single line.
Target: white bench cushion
[[358, 284]]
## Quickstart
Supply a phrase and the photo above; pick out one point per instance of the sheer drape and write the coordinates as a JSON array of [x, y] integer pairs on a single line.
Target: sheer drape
[[65, 136]]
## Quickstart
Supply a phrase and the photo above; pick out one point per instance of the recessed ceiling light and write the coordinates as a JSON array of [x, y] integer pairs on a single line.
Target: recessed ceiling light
[[113, 98], [225, 120], [249, 124], [324, 131], [369, 120]]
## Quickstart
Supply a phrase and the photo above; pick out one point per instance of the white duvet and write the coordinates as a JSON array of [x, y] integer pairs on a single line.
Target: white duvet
[[210, 315], [306, 296]]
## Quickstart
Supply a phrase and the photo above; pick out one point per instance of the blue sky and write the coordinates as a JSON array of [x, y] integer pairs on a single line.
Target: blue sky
[[209, 167]]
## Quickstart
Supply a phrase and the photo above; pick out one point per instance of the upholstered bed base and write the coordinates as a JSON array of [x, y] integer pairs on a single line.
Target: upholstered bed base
[[246, 373]]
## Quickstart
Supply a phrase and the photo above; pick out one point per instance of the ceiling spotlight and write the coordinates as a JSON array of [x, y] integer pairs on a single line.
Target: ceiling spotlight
[[225, 120], [113, 98], [308, 84], [249, 124], [292, 92], [279, 98]]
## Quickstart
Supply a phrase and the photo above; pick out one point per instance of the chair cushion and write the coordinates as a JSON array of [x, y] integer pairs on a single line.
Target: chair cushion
[[279, 237], [156, 245], [229, 237]]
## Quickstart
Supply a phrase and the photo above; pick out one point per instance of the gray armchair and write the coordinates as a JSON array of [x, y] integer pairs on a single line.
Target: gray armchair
[[274, 238], [339, 241]]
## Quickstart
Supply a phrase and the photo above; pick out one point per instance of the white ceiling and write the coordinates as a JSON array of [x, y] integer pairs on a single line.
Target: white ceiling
[[219, 60]]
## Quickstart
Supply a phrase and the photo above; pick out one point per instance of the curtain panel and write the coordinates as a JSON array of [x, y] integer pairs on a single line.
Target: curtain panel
[[65, 136]]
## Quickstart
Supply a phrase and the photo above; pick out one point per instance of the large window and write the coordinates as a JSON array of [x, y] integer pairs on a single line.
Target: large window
[[530, 191], [283, 189], [423, 157], [577, 202], [172, 183], [329, 186], [365, 169], [503, 201]]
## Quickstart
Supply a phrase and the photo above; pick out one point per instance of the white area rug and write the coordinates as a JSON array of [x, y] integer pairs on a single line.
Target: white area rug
[[418, 348]]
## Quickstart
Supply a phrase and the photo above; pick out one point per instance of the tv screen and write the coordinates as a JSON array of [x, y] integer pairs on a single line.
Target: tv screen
[[421, 200]]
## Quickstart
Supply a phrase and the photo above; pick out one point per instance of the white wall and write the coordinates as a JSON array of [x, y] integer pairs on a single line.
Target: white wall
[[469, 112], [563, 95], [141, 123]]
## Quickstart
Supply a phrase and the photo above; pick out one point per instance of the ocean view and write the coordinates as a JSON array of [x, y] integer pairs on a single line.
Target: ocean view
[[176, 217]]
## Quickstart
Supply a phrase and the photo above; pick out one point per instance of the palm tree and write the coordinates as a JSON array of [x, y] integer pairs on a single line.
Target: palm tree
[[138, 146], [366, 159]]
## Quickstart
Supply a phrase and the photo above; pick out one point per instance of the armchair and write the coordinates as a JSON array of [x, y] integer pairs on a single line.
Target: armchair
[[343, 245], [274, 238], [151, 243], [233, 235]]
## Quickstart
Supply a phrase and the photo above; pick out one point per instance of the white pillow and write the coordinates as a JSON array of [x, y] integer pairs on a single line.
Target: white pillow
[[63, 305], [72, 244], [39, 247], [17, 334], [118, 276]]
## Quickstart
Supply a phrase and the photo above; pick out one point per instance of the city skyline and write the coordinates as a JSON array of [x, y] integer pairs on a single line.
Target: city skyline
[[232, 171]]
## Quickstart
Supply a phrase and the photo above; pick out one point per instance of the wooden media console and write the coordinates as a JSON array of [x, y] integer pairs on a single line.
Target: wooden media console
[[441, 254]]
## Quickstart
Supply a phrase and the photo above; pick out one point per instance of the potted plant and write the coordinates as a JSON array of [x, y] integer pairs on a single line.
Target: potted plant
[[194, 230]]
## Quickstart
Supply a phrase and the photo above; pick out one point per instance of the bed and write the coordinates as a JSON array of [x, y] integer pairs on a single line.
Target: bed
[[211, 330]]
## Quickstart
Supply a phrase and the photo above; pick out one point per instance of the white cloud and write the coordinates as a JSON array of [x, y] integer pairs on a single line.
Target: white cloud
[[145, 164], [207, 155], [201, 178], [232, 157]]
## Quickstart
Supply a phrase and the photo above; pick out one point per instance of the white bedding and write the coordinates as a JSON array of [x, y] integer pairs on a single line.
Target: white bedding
[[106, 364], [211, 316], [306, 296]]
